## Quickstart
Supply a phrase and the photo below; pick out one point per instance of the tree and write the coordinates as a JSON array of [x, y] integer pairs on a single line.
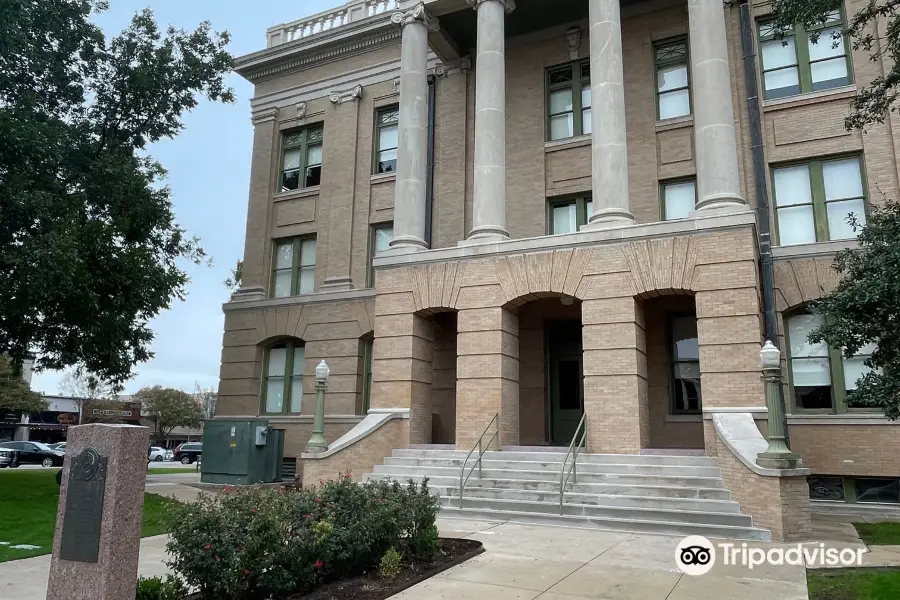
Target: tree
[[167, 409], [15, 395], [89, 246], [207, 400], [864, 309], [85, 388], [872, 102], [233, 283]]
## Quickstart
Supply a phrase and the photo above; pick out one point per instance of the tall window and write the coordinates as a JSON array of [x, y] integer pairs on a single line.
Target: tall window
[[567, 215], [814, 199], [294, 270], [678, 199], [386, 138], [797, 64], [301, 158], [380, 241], [569, 100], [282, 388], [673, 97], [821, 377], [685, 354]]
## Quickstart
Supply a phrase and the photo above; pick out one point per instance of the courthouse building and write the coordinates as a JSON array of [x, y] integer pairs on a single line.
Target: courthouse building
[[515, 214]]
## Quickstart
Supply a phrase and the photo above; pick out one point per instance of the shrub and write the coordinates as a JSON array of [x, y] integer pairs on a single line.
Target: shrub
[[390, 565], [155, 588], [273, 542]]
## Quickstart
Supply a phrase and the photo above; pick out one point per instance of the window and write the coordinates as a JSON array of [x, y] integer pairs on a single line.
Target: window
[[368, 346], [685, 353], [386, 136], [821, 377], [826, 487], [569, 214], [678, 199], [814, 199], [795, 64], [301, 158], [381, 240], [283, 378], [673, 97], [294, 271], [569, 100]]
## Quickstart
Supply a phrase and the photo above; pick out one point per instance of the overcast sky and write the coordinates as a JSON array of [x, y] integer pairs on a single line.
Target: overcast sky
[[209, 167]]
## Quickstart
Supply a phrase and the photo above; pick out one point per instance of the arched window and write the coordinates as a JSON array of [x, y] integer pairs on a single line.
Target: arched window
[[821, 377], [282, 386]]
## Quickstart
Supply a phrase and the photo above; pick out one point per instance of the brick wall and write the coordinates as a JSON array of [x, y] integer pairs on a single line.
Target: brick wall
[[359, 458]]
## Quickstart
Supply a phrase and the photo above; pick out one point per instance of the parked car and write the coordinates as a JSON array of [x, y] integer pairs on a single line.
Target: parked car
[[61, 446], [8, 458], [159, 454], [36, 453], [188, 452]]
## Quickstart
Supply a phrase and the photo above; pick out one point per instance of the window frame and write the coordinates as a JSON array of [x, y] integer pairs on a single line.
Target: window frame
[[368, 345], [817, 191], [663, 183], [291, 344], [297, 242], [839, 404], [376, 139], [303, 145], [687, 63], [373, 228], [577, 83], [801, 46], [670, 355], [851, 496], [581, 215]]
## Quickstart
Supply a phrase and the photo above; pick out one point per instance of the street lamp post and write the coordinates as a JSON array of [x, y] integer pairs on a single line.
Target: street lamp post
[[777, 455], [317, 442]]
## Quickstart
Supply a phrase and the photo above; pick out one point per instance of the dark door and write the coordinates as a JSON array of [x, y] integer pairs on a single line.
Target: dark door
[[566, 380]]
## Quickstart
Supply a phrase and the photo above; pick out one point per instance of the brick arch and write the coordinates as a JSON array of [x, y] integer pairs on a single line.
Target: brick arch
[[801, 281], [661, 266]]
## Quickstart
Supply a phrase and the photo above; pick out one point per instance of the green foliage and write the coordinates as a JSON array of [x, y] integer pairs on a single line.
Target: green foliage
[[15, 395], [390, 565], [872, 102], [274, 542], [233, 283], [853, 584], [89, 245], [864, 308], [879, 534], [156, 588], [168, 408]]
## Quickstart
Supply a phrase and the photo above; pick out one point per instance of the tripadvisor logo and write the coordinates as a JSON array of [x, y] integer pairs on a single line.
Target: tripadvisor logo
[[695, 555]]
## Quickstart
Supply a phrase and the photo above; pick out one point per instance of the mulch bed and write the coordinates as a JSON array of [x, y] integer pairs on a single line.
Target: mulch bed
[[369, 586]]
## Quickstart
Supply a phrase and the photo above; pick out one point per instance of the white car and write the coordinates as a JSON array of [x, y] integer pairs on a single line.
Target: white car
[[158, 454]]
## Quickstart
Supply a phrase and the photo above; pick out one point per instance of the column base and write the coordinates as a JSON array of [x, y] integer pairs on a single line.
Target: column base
[[249, 294], [721, 204], [407, 243], [609, 218], [779, 460], [485, 235], [337, 284]]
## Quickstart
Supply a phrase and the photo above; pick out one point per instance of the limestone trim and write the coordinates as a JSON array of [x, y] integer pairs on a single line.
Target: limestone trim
[[301, 193], [264, 116], [697, 224], [339, 97], [741, 436], [813, 250], [840, 93], [711, 410], [297, 419], [843, 419], [575, 142], [417, 14], [376, 418], [314, 298]]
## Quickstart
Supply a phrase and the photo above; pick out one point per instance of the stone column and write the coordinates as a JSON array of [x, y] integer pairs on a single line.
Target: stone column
[[489, 195], [98, 520], [411, 182], [718, 181], [609, 156]]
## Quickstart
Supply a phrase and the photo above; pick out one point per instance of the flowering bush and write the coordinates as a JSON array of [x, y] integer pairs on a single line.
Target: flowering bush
[[262, 543]]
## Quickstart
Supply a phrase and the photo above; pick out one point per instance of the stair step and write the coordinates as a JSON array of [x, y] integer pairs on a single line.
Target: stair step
[[556, 456], [519, 485], [556, 467], [734, 519], [629, 525], [402, 472], [605, 500]]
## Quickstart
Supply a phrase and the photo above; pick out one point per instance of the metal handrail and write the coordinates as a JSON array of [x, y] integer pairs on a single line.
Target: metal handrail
[[573, 450], [463, 477]]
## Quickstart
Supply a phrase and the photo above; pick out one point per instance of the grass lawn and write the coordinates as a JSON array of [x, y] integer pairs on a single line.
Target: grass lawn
[[879, 534], [28, 502], [165, 471], [856, 584]]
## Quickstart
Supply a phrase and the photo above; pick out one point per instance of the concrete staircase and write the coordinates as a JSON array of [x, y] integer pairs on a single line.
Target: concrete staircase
[[678, 495]]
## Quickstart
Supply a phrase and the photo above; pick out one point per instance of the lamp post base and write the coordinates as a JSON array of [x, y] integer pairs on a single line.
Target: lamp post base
[[778, 460], [316, 445]]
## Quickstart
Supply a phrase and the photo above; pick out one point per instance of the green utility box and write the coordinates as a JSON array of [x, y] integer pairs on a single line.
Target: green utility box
[[241, 452]]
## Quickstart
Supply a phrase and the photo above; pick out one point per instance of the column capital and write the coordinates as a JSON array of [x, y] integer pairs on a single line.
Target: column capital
[[508, 5], [414, 15]]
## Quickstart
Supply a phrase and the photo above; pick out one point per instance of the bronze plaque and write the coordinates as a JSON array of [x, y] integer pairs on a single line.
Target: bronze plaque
[[84, 508]]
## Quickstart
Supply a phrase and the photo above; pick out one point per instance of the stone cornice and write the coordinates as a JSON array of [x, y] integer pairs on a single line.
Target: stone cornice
[[306, 52]]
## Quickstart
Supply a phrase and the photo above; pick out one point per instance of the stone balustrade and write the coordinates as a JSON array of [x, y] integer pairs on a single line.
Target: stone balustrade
[[355, 10]]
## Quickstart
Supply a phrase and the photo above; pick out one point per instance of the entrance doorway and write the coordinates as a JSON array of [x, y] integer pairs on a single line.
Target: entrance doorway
[[566, 379]]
